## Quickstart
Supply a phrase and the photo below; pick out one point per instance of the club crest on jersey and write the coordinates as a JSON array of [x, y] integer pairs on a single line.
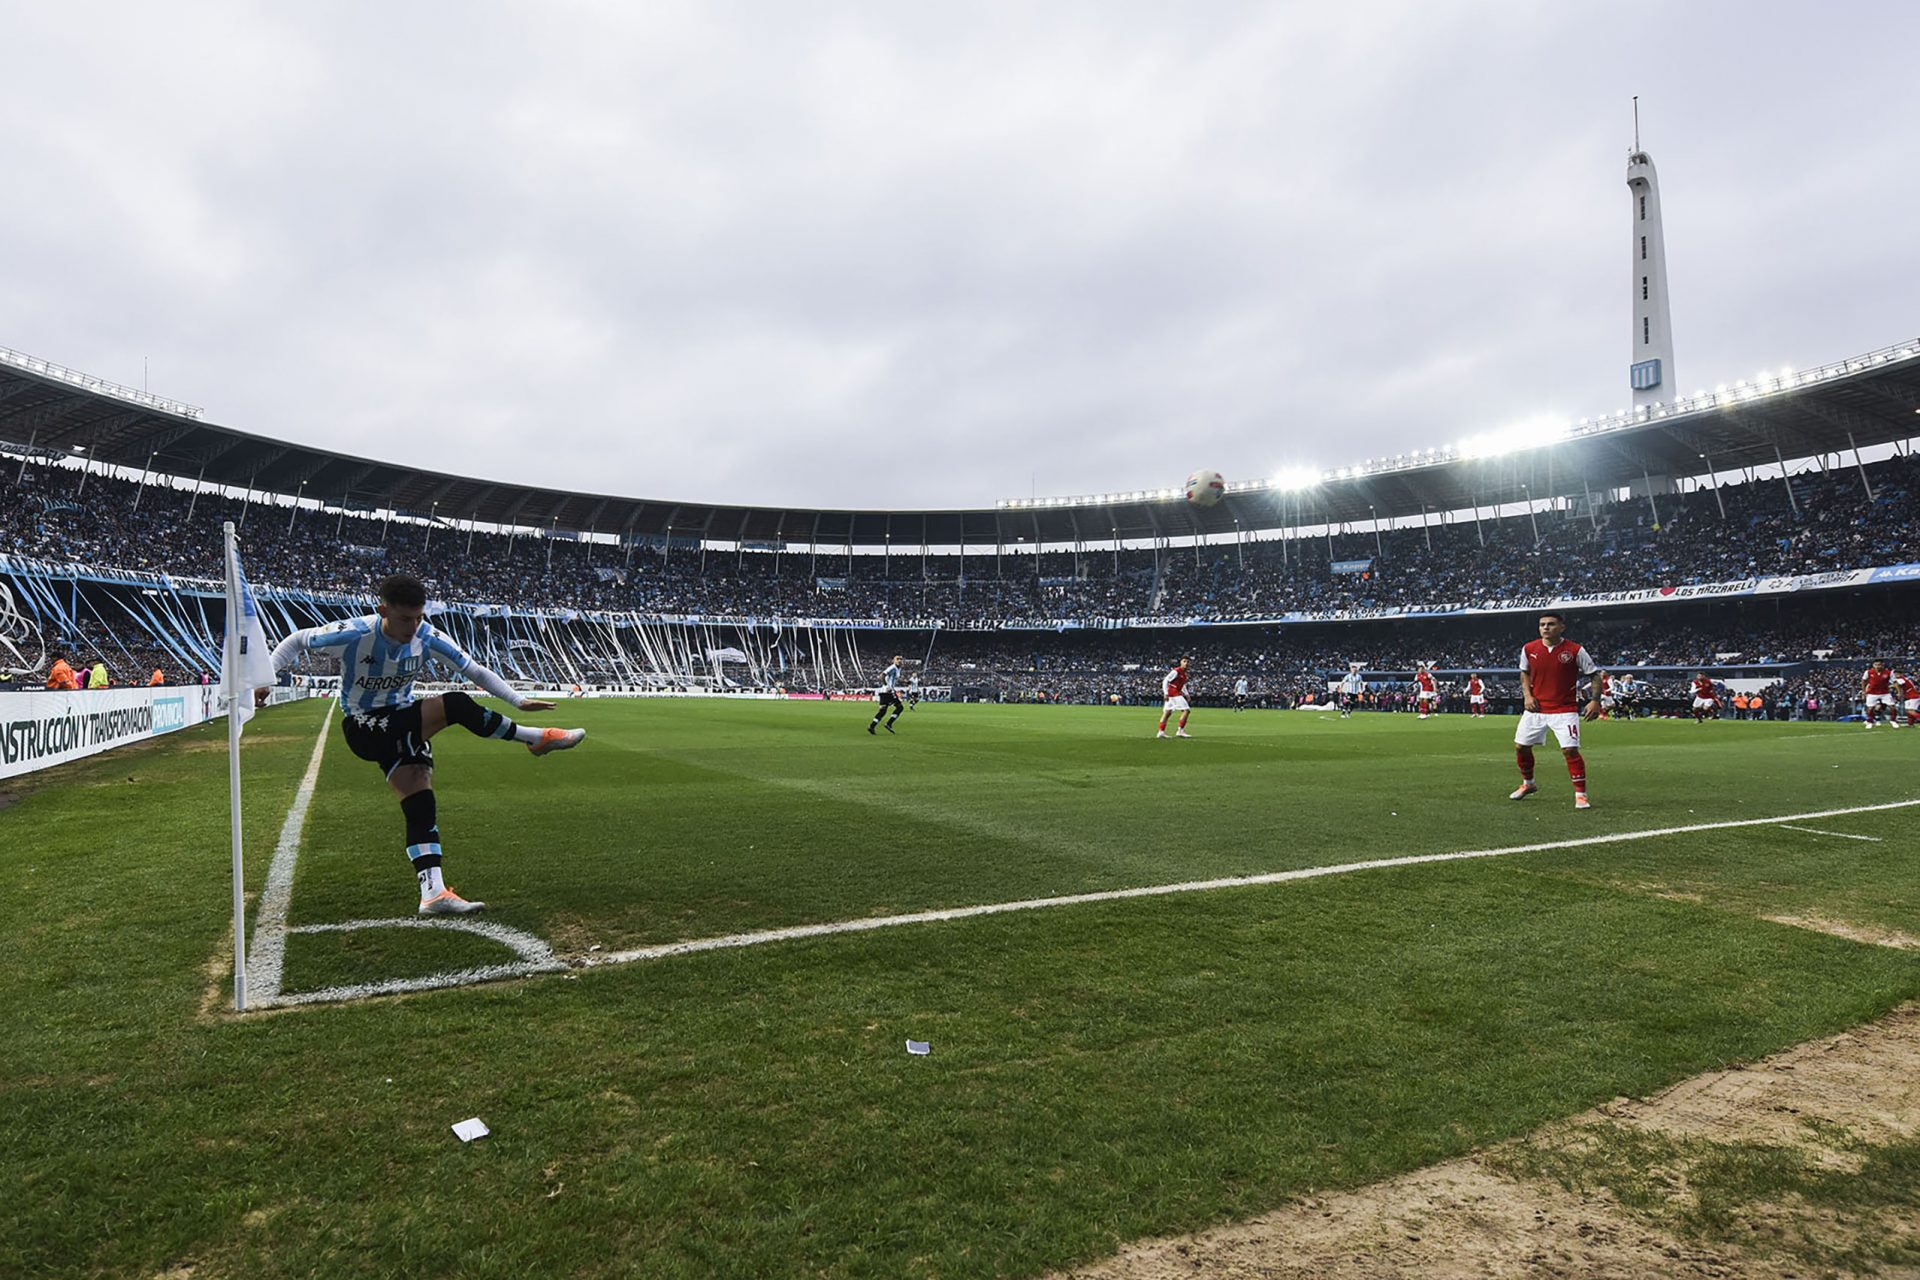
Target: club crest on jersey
[[1566, 657]]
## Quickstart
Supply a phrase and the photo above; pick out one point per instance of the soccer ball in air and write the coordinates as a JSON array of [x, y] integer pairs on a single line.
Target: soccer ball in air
[[1205, 488]]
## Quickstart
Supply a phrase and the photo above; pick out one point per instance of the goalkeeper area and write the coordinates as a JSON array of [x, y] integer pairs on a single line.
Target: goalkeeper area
[[713, 929]]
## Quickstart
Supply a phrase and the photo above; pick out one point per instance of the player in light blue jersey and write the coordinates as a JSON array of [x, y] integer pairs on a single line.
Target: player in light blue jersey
[[1351, 687], [889, 695], [381, 656]]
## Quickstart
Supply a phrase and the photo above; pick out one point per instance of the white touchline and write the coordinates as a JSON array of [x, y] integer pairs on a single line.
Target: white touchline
[[528, 964], [1193, 886], [268, 954], [1843, 835]]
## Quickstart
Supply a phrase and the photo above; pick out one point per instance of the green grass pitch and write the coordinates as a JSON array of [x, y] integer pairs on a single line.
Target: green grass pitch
[[1099, 1072]]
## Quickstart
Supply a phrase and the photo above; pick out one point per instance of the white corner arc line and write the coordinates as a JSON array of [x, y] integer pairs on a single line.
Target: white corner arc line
[[523, 944], [1815, 831], [797, 932], [535, 957], [267, 956]]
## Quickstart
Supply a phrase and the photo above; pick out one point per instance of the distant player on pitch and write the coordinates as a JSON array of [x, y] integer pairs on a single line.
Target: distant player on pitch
[[1909, 698], [1550, 671], [1705, 701], [1477, 697], [1625, 692], [1351, 687], [1174, 688], [889, 695], [1428, 696], [1240, 694], [1876, 688], [381, 655]]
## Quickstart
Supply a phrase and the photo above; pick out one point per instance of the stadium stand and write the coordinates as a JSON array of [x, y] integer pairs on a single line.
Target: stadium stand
[[1763, 580]]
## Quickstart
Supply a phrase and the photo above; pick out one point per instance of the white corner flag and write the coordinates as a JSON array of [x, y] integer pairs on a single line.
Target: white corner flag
[[246, 664], [246, 660]]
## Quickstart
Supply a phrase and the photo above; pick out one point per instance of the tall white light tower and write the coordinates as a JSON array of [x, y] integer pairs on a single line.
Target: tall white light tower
[[1651, 371]]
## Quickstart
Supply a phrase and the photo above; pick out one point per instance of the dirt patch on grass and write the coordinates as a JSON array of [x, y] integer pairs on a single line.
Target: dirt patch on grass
[[1797, 1165], [1873, 935], [572, 937]]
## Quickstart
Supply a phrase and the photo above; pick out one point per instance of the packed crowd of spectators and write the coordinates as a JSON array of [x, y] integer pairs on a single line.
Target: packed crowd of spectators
[[1820, 521]]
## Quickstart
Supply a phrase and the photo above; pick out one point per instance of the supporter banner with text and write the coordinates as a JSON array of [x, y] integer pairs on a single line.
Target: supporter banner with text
[[40, 730]]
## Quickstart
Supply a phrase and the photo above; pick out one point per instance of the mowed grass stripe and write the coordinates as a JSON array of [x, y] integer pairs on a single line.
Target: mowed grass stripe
[[1096, 1076], [694, 819]]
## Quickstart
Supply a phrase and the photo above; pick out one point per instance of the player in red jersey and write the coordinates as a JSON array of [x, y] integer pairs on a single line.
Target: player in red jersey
[[1174, 686], [1909, 698], [1428, 696], [1550, 671], [1877, 685], [1604, 683], [1477, 697], [1705, 701]]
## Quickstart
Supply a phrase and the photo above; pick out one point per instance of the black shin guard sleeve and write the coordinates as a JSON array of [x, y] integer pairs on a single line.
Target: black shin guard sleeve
[[474, 718], [423, 817]]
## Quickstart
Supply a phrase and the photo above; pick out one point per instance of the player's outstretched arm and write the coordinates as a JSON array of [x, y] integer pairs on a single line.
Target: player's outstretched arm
[[492, 681], [284, 654]]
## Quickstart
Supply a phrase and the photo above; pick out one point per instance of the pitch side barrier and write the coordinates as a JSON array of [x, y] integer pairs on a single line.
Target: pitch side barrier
[[40, 729]]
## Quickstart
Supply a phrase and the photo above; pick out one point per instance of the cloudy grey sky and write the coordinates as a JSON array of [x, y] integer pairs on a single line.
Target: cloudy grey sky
[[932, 255]]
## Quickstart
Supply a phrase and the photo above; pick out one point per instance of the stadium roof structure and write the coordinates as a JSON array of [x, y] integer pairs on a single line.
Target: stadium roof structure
[[1867, 400]]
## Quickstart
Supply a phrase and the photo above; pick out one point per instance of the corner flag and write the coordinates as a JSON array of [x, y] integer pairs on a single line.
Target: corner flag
[[246, 660], [246, 664]]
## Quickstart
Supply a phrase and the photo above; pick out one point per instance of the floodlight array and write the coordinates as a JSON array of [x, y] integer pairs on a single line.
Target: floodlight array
[[1536, 434]]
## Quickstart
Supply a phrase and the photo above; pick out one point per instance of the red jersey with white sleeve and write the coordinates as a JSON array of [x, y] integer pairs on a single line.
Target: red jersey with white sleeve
[[1175, 685], [1556, 673], [1703, 687], [1606, 685], [1475, 689], [1908, 689], [1879, 681], [1426, 681]]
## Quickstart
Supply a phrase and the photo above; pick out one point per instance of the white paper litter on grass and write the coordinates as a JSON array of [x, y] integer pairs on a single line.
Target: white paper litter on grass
[[468, 1130], [920, 1047]]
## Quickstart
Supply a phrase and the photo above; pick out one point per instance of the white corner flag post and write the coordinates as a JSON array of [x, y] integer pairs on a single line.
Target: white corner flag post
[[246, 664]]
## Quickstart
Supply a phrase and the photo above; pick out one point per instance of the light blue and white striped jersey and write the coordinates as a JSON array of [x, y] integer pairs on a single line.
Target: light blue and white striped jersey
[[892, 678], [377, 674], [1352, 683]]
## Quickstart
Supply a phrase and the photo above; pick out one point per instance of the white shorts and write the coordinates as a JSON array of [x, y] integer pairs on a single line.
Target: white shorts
[[1477, 699], [1534, 726], [1705, 704], [1176, 703], [1879, 699], [1427, 696], [1913, 705], [1606, 703]]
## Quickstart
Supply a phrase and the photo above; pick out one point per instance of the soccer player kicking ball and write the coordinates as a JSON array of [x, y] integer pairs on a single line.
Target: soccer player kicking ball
[[889, 695], [381, 655], [1174, 686], [1550, 671]]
